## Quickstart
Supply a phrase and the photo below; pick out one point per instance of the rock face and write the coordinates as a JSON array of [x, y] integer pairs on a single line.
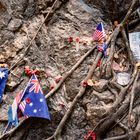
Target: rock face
[[115, 10], [19, 21], [14, 24]]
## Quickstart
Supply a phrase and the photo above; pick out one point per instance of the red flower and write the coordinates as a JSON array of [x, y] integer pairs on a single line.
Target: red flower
[[28, 100], [52, 87], [58, 78], [61, 104], [77, 39], [90, 134], [70, 39], [84, 83]]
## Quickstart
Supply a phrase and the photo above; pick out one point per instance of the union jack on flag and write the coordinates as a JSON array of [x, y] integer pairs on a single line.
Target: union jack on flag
[[99, 32], [33, 103], [35, 86]]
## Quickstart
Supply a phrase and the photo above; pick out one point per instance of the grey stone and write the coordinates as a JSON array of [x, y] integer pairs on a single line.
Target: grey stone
[[14, 24], [6, 35], [101, 86]]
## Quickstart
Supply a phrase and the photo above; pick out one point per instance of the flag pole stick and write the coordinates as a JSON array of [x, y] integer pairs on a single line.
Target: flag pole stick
[[6, 128], [25, 90]]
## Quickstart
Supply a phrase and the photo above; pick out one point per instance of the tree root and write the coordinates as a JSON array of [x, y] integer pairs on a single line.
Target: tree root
[[130, 55], [76, 99], [116, 32], [122, 95], [90, 73], [112, 117], [122, 137], [10, 133], [103, 127], [69, 73], [132, 94]]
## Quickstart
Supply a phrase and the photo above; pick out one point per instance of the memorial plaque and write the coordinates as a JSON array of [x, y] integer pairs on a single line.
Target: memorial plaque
[[134, 39]]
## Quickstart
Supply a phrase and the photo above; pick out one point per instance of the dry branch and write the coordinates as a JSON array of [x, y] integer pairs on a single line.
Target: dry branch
[[122, 137], [82, 90], [57, 134], [8, 134], [111, 119], [69, 73], [137, 130], [122, 94], [106, 125], [113, 91], [117, 30], [72, 70], [132, 94], [130, 55], [130, 11]]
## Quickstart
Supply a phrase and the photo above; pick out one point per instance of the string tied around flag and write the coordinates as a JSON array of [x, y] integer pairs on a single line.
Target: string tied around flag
[[30, 72], [102, 48]]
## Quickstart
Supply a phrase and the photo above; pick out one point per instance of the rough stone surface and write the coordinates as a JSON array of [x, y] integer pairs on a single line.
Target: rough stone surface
[[19, 21], [14, 24], [101, 86]]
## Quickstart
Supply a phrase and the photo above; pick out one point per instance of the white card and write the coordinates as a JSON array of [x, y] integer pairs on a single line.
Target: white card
[[134, 39]]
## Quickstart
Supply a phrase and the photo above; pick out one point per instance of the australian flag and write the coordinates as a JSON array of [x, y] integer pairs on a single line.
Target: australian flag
[[3, 80], [33, 103], [99, 32]]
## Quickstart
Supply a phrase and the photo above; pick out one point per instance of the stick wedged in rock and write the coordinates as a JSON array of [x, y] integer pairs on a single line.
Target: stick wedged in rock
[[57, 133]]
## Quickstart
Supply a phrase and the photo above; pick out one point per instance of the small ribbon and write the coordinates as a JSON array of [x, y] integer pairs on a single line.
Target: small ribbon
[[90, 134], [30, 72], [99, 63], [102, 48], [58, 78], [70, 39]]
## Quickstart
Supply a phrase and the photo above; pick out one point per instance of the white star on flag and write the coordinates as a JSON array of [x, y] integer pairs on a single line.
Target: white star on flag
[[2, 74]]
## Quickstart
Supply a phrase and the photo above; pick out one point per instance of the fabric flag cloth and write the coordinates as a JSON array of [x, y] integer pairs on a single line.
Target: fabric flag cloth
[[103, 48], [33, 103], [3, 80], [13, 111], [99, 33]]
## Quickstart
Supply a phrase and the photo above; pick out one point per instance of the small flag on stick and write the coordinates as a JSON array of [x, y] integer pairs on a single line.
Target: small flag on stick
[[99, 33], [33, 103]]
